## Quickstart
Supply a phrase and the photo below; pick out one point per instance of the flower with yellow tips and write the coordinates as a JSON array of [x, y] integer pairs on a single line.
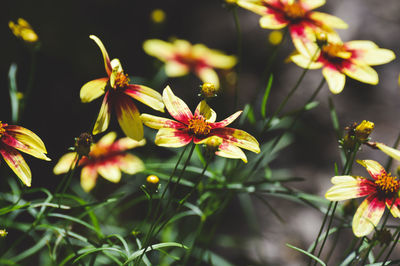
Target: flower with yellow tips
[[382, 190], [106, 158], [117, 94], [13, 138], [22, 29], [181, 57]]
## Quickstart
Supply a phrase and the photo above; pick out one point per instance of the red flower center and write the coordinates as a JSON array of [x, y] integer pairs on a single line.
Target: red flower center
[[121, 80], [2, 129], [199, 126], [294, 11], [388, 184]]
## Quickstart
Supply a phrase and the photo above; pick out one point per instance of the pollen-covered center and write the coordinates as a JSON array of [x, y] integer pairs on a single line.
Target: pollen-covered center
[[199, 126], [333, 49], [121, 80], [2, 129], [387, 184], [294, 11]]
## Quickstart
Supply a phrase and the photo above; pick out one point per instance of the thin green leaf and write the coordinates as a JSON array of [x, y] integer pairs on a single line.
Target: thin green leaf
[[266, 95], [11, 208], [12, 76], [93, 250], [76, 220], [34, 249], [307, 253], [156, 246]]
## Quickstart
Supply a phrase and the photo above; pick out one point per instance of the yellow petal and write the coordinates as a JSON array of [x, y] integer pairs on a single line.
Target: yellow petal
[[363, 73], [208, 75], [106, 59], [335, 79], [305, 62], [329, 20], [157, 122], [116, 70], [103, 119], [373, 168], [128, 143], [238, 138], [17, 163], [253, 6], [158, 48], [389, 151], [65, 163], [176, 107], [170, 137], [204, 110], [367, 216], [270, 22], [129, 118], [93, 89], [131, 164], [312, 4], [110, 172], [346, 187], [88, 178], [175, 69], [213, 57], [106, 140], [146, 95], [231, 151]]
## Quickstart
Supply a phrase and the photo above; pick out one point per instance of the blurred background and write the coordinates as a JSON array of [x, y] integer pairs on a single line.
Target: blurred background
[[68, 58]]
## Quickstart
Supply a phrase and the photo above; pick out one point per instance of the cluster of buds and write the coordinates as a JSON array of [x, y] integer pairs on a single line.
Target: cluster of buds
[[357, 133]]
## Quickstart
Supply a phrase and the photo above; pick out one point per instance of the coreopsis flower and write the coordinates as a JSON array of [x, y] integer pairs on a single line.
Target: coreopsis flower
[[198, 128], [382, 190], [181, 57], [14, 138], [297, 15], [23, 30], [107, 158], [338, 60], [117, 94]]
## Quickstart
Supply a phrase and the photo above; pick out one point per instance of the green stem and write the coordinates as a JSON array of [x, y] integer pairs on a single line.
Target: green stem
[[320, 231], [239, 52], [199, 230], [391, 249]]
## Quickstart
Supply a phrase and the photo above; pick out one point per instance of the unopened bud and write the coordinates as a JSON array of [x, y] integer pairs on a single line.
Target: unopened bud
[[208, 90], [363, 130], [3, 233], [152, 183], [83, 144]]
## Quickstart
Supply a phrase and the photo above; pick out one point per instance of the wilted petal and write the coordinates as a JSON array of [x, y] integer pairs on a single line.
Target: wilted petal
[[110, 171], [374, 168], [106, 59], [362, 72], [335, 79], [88, 178], [389, 151], [65, 163], [129, 117], [157, 122], [17, 163], [226, 121], [130, 164], [103, 119], [368, 215], [176, 107], [237, 137], [208, 75], [93, 89], [205, 110], [348, 187], [146, 95], [169, 137], [329, 20]]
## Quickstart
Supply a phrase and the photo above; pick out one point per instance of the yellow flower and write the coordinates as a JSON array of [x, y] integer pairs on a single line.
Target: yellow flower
[[3, 233], [107, 158], [181, 57], [157, 15], [13, 138], [22, 29]]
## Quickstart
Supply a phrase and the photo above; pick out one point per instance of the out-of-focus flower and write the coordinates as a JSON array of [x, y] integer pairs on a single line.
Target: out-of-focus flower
[[106, 158], [3, 233], [382, 190], [297, 15], [275, 37], [157, 15], [23, 30], [392, 152], [198, 128], [13, 138], [181, 57], [153, 179], [352, 58], [118, 93]]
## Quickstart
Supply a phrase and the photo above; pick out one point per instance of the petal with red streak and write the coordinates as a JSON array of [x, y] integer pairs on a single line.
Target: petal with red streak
[[169, 137], [17, 163], [176, 107], [129, 117], [157, 122], [349, 187], [103, 119], [88, 178], [93, 89], [368, 215], [12, 142], [373, 168], [237, 137], [226, 121], [395, 208], [146, 95], [106, 59]]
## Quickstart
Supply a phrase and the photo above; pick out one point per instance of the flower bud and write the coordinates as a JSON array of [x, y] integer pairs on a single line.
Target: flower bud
[[363, 130], [83, 144], [3, 233], [23, 30], [208, 90], [152, 183]]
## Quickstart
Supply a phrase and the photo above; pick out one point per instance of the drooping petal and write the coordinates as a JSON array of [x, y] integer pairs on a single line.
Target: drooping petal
[[88, 178], [26, 137], [305, 62], [65, 163], [129, 117], [237, 137], [389, 151], [176, 69], [231, 151], [110, 171], [146, 95], [208, 75], [159, 49], [176, 107], [130, 164], [349, 187], [395, 208], [335, 79], [93, 89], [157, 122], [362, 72], [14, 143], [170, 137], [374, 168], [103, 119], [329, 20], [17, 163], [205, 110], [226, 121], [368, 215], [270, 21], [312, 4], [106, 59]]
